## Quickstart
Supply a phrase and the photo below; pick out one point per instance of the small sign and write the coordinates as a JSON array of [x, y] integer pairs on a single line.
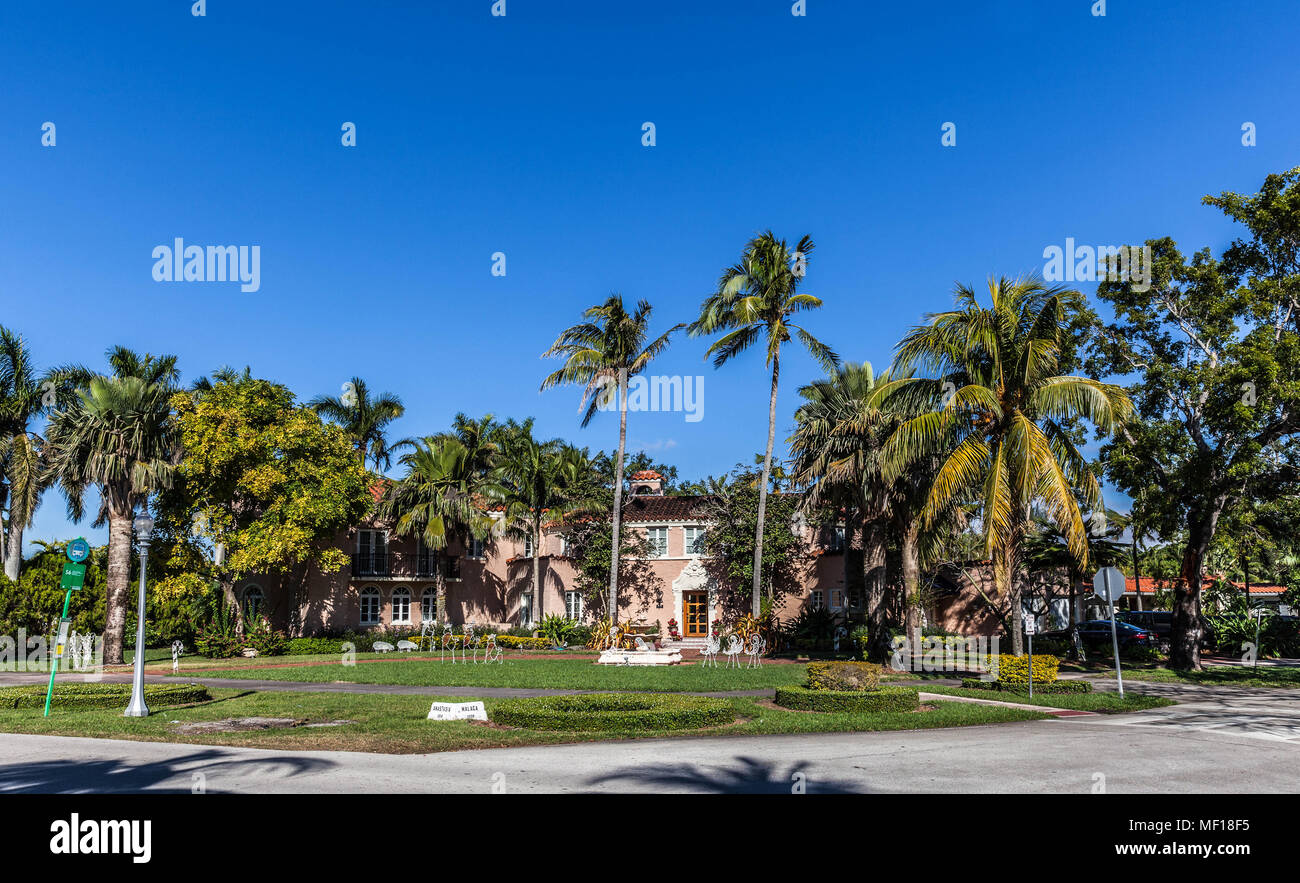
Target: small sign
[[74, 576], [457, 711], [1031, 625], [62, 642], [78, 550]]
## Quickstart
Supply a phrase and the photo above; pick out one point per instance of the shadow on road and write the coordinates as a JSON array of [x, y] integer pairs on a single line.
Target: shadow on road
[[746, 776], [200, 771]]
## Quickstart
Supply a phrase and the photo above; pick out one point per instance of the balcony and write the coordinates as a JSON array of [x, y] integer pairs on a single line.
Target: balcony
[[401, 565]]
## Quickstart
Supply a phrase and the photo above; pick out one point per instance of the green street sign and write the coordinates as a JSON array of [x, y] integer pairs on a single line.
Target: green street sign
[[74, 576]]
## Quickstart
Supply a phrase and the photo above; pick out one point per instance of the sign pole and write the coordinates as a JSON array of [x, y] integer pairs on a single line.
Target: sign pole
[[1114, 637], [58, 649], [74, 576]]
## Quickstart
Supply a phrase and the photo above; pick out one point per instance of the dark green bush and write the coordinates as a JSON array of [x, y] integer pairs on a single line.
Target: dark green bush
[[1074, 686], [606, 712], [843, 676], [100, 695], [886, 699]]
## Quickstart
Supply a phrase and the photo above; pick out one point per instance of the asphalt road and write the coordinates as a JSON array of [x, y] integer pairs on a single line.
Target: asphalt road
[[1218, 740]]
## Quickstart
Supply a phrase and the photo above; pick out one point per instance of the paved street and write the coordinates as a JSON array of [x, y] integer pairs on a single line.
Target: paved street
[[1218, 740]]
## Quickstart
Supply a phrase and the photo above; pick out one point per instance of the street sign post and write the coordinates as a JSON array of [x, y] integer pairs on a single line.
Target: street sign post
[[73, 580], [1031, 626], [1108, 584]]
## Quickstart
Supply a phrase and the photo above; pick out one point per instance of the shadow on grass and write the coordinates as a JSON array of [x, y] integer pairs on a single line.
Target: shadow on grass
[[190, 773], [746, 775]]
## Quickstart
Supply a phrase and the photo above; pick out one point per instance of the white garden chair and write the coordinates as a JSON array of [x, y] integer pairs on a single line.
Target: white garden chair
[[710, 651], [734, 648], [755, 650]]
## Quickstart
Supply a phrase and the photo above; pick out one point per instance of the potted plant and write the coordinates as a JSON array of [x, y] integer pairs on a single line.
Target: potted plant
[[672, 629]]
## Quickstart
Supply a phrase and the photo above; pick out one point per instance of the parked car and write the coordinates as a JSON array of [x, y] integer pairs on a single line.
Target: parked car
[[1095, 635], [1159, 622]]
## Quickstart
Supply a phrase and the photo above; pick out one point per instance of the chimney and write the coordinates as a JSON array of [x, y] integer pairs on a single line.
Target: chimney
[[647, 483]]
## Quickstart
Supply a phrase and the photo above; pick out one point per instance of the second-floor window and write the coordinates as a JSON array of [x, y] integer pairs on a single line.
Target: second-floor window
[[658, 537], [835, 540], [816, 597], [372, 551], [694, 540], [528, 547], [476, 547]]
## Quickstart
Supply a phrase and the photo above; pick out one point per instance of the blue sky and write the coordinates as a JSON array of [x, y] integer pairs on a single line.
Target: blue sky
[[478, 134]]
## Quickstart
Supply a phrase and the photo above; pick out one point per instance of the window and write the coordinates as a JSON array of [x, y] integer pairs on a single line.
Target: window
[[658, 537], [429, 606], [528, 547], [476, 547], [401, 606], [855, 599], [835, 542], [426, 559], [573, 605], [254, 601], [369, 606], [694, 539], [837, 599], [526, 608], [451, 566], [816, 596], [372, 552]]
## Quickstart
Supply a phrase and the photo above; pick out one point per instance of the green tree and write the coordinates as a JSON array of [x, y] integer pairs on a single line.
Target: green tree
[[24, 396], [756, 300], [268, 481], [604, 353], [363, 418], [117, 435], [1212, 350], [1002, 428]]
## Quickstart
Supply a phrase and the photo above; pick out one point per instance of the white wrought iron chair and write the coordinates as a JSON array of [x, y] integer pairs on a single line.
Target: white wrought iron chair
[[709, 653], [755, 650], [734, 648]]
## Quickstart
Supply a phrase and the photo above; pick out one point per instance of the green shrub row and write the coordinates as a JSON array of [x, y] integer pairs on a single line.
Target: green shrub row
[[100, 695], [607, 712], [885, 699], [843, 676], [1074, 686]]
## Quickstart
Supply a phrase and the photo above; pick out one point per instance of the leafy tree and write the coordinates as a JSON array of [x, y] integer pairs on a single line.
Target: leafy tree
[[117, 435], [35, 601], [756, 300], [1001, 428], [363, 418], [24, 396], [1212, 350], [268, 481], [603, 354]]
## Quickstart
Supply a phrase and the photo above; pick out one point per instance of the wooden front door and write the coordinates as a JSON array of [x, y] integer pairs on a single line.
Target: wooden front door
[[695, 615]]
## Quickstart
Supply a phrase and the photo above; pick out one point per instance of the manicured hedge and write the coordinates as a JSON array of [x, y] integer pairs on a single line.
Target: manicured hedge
[[1015, 669], [885, 699], [1074, 686], [101, 695], [604, 712], [847, 676]]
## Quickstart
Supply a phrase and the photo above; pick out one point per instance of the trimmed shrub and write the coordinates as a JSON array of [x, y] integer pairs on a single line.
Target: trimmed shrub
[[843, 676], [885, 699], [314, 646], [100, 695], [1015, 669], [605, 712], [1073, 686]]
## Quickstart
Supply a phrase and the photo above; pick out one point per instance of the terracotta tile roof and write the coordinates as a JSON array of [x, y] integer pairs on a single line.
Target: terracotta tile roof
[[1151, 584], [645, 475], [654, 508]]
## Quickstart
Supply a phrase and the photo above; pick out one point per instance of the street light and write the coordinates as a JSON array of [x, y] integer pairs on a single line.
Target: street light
[[143, 531]]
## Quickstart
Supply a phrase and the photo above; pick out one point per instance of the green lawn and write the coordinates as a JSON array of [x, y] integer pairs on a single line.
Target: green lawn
[[1106, 703], [1226, 675], [397, 724], [570, 674]]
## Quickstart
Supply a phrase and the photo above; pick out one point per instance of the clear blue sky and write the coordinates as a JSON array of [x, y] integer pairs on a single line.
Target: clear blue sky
[[523, 135]]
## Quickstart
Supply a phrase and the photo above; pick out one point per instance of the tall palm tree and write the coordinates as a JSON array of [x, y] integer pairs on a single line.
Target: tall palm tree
[[23, 477], [755, 301], [443, 495], [363, 418], [604, 353], [117, 434], [1002, 430]]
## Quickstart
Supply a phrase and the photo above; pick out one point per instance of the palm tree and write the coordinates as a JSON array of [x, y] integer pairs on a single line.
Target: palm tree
[[364, 419], [1002, 430], [756, 300], [443, 495], [604, 353], [117, 434], [23, 478]]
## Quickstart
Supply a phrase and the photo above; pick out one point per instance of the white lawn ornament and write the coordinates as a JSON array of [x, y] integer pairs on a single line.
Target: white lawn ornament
[[448, 643], [382, 647], [177, 648], [469, 639], [840, 632], [491, 652], [407, 646], [734, 648], [711, 650], [755, 650], [428, 630]]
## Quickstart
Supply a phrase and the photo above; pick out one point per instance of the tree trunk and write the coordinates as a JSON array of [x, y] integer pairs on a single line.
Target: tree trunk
[[1004, 575], [615, 555], [911, 567], [1185, 635], [117, 585], [440, 590], [228, 598], [14, 551], [875, 549], [762, 488], [855, 584], [537, 571]]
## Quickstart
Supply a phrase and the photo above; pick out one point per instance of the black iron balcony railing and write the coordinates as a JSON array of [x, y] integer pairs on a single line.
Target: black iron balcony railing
[[401, 564]]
